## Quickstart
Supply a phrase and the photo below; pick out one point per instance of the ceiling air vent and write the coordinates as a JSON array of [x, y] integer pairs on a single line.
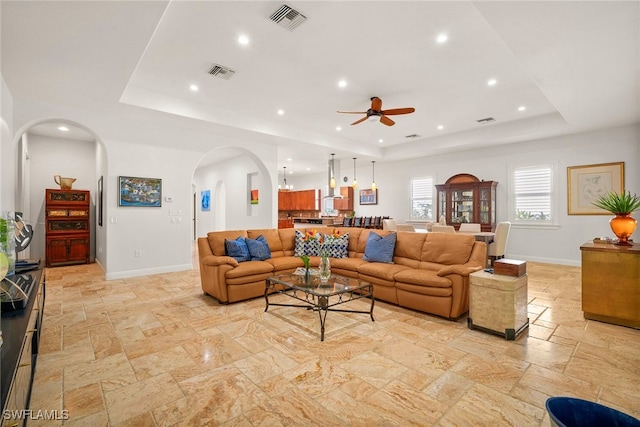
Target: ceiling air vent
[[287, 17], [221, 71], [486, 120], [413, 135]]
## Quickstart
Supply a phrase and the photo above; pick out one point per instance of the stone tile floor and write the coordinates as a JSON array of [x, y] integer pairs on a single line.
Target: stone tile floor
[[155, 351]]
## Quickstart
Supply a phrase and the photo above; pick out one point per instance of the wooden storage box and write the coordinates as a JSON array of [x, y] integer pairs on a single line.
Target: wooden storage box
[[510, 267]]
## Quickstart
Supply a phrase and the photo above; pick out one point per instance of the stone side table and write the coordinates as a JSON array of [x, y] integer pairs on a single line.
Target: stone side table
[[498, 304]]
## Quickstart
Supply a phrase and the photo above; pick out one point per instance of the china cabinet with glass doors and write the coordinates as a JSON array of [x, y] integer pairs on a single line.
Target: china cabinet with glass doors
[[464, 198]]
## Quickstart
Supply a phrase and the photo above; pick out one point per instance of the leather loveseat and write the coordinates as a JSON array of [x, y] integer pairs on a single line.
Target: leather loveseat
[[429, 273]]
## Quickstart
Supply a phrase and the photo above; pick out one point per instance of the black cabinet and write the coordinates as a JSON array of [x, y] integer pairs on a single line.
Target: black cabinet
[[21, 329]]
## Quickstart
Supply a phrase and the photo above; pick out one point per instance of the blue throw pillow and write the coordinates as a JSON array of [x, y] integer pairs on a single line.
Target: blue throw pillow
[[258, 248], [380, 249], [237, 249]]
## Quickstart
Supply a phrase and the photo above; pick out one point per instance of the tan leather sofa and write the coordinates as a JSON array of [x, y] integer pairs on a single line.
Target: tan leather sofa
[[430, 271]]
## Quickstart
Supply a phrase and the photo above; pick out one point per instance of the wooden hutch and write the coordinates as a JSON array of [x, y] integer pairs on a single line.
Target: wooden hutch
[[464, 198], [67, 227]]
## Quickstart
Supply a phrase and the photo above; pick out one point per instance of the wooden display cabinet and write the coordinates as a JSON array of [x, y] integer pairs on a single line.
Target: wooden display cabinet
[[67, 227], [464, 198]]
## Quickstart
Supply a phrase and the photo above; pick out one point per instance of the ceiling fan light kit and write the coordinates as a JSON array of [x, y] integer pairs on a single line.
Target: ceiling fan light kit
[[376, 113]]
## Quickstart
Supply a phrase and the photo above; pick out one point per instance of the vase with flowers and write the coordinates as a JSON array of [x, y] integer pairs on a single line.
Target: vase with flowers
[[325, 252], [622, 205]]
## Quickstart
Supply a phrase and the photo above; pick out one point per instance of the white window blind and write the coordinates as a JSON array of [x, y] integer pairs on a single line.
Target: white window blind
[[422, 198], [532, 193]]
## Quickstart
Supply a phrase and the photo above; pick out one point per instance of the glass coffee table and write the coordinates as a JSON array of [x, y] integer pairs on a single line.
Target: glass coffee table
[[318, 296]]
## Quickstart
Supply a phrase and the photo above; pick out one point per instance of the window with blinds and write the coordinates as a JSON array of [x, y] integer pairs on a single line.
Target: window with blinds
[[532, 194], [422, 198]]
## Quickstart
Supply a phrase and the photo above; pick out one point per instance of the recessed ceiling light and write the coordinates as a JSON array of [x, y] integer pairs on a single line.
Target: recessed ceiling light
[[63, 128], [194, 88], [381, 140], [492, 82], [440, 127], [442, 38], [280, 112], [342, 83], [338, 128], [289, 159], [243, 40], [308, 169], [522, 108]]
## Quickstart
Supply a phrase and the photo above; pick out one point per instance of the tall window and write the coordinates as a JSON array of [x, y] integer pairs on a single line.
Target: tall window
[[532, 194], [422, 198]]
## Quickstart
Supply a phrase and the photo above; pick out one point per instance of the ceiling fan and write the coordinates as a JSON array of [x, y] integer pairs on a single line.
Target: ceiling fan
[[376, 112]]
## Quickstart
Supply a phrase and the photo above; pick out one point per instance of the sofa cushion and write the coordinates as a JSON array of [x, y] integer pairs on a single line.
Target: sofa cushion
[[380, 249], [336, 246], [245, 270], [381, 270], [447, 248], [216, 240], [237, 249], [422, 278], [285, 263], [307, 243], [258, 248]]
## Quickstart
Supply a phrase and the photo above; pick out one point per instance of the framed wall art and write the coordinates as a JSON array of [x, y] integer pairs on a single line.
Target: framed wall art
[[205, 200], [587, 183], [369, 197], [141, 192]]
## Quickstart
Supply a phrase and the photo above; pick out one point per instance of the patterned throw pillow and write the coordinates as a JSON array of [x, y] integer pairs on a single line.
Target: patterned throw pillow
[[380, 249], [336, 246], [237, 249], [307, 244], [258, 248]]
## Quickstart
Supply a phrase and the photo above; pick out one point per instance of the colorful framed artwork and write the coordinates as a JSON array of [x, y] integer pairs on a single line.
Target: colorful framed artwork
[[369, 197], [587, 183], [205, 200], [140, 192], [254, 197]]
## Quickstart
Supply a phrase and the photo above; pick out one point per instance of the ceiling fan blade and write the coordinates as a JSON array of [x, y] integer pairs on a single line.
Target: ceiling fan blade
[[386, 121], [353, 112], [376, 103], [395, 111], [360, 121]]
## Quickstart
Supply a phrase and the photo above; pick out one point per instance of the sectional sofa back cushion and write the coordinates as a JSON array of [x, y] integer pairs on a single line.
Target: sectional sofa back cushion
[[307, 242], [216, 240], [409, 249], [447, 248]]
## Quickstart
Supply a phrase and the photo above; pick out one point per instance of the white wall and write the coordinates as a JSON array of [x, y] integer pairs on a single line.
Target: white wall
[[7, 150], [237, 175], [558, 245]]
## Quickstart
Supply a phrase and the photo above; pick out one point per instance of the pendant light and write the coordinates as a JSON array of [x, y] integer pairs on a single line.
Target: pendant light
[[355, 182], [373, 174], [284, 178], [332, 182]]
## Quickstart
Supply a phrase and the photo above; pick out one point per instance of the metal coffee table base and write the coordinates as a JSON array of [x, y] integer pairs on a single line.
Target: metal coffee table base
[[323, 303]]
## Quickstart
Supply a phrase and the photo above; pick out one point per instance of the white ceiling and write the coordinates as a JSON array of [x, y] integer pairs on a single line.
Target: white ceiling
[[574, 65]]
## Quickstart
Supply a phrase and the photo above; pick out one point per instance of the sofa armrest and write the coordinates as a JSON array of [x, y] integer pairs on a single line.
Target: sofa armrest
[[461, 269], [212, 260]]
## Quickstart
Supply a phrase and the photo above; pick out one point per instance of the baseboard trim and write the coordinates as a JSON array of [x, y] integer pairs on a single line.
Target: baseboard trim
[[148, 271]]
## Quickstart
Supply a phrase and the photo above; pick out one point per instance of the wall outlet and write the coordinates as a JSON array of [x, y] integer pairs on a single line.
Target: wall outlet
[[138, 253]]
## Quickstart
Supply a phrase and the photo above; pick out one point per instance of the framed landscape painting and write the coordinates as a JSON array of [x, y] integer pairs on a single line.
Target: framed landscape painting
[[587, 183], [141, 192], [369, 197]]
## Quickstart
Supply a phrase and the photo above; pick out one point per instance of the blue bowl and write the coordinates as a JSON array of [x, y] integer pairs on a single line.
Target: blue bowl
[[573, 412]]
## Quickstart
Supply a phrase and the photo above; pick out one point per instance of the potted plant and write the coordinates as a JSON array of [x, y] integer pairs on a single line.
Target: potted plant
[[621, 205]]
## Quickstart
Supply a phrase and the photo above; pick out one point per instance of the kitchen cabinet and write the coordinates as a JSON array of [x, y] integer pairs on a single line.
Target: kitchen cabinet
[[302, 200], [67, 227], [346, 202], [464, 198]]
